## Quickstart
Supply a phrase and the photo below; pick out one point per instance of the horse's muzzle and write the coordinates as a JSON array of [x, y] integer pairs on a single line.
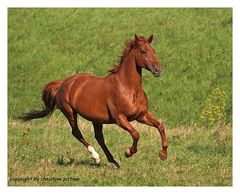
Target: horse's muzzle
[[156, 71]]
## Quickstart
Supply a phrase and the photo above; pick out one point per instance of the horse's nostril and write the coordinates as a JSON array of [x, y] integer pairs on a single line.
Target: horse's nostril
[[156, 70]]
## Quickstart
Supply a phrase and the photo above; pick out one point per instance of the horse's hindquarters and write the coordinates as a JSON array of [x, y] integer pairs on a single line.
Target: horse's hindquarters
[[87, 95]]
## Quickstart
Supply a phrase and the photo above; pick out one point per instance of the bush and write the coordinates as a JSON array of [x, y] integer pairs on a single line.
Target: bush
[[214, 112]]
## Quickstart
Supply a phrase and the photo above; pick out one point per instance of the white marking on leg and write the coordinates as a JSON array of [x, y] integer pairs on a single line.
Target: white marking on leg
[[94, 154]]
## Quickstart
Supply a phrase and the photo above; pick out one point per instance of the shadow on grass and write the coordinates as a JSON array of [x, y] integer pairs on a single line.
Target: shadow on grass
[[71, 161]]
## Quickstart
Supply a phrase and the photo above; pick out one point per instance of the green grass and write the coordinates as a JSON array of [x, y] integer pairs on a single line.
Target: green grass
[[195, 48], [197, 156]]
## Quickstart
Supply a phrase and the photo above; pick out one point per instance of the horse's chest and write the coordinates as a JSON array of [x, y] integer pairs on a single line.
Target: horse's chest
[[138, 104]]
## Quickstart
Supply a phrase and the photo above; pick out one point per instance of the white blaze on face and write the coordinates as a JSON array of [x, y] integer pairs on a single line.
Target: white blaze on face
[[94, 154]]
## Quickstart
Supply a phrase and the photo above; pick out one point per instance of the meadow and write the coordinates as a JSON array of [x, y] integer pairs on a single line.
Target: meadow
[[196, 156], [195, 48]]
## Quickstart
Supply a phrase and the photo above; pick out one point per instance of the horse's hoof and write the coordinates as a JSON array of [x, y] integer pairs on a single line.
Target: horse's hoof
[[97, 160], [128, 153], [162, 155], [115, 165]]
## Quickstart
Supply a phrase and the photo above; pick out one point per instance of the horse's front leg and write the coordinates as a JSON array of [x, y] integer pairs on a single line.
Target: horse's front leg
[[149, 119], [124, 123]]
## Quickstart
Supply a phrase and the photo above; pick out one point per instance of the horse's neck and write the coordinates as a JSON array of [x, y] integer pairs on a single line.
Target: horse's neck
[[130, 74]]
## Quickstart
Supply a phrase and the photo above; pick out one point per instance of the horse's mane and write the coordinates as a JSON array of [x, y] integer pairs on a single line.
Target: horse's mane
[[127, 47]]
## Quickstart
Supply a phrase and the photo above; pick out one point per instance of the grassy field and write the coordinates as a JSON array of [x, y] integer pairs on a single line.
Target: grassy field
[[197, 156], [194, 45], [195, 48]]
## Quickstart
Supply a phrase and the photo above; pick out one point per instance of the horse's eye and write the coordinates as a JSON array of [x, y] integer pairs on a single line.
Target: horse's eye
[[143, 51]]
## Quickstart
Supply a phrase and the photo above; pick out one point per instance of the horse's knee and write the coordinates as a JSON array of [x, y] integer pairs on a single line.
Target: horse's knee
[[135, 135], [160, 127]]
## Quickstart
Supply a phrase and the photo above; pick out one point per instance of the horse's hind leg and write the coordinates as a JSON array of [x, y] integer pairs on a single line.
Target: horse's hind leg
[[100, 139], [72, 119]]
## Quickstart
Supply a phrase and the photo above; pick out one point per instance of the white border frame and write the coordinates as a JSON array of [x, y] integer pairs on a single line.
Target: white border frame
[[5, 4], [122, 3]]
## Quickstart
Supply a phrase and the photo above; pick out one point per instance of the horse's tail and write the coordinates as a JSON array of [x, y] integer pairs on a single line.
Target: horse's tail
[[48, 97]]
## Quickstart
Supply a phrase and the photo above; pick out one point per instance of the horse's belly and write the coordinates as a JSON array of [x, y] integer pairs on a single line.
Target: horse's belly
[[93, 111], [92, 106]]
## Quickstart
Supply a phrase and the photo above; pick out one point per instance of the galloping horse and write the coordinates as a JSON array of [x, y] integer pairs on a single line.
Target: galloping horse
[[117, 98]]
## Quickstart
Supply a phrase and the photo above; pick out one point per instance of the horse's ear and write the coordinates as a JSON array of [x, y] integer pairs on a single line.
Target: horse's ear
[[136, 37], [150, 39]]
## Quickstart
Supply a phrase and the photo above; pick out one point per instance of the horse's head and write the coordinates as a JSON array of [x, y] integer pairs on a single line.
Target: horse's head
[[145, 55]]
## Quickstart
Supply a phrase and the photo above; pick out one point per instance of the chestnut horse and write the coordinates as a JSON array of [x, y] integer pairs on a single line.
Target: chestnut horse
[[117, 98]]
